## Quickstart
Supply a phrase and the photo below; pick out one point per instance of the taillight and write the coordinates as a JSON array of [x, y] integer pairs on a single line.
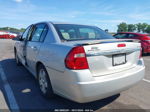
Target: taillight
[[76, 59], [121, 45]]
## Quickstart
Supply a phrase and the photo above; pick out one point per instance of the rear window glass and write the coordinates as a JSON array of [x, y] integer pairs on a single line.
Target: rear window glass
[[121, 36], [70, 32]]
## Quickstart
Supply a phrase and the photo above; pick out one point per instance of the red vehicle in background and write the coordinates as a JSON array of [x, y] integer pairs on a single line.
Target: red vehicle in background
[[7, 35], [144, 39]]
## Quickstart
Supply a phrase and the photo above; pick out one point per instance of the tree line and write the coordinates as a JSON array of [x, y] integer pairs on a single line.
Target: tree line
[[140, 27], [122, 27], [12, 29]]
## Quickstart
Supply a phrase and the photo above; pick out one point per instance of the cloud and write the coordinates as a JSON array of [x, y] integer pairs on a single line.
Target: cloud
[[18, 1], [139, 16]]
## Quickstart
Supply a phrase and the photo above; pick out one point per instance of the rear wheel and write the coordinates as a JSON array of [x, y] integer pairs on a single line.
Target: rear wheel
[[44, 82], [17, 59]]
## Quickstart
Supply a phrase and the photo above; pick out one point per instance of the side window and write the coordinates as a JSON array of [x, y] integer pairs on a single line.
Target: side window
[[131, 36], [30, 32], [37, 33], [121, 36], [25, 34], [44, 33]]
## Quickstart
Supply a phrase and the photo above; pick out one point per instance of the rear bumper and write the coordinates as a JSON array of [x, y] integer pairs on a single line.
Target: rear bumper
[[95, 90], [81, 87]]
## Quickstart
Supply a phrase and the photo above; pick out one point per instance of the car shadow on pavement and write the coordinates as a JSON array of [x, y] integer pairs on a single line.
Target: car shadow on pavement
[[28, 97]]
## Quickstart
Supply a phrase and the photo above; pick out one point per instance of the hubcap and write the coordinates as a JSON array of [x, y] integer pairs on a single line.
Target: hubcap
[[42, 81]]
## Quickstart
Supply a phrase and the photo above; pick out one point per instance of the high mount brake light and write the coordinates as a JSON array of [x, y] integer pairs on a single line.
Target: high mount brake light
[[121, 45]]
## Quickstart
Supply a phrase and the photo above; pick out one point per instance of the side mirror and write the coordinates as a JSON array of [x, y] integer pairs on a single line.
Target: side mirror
[[18, 38]]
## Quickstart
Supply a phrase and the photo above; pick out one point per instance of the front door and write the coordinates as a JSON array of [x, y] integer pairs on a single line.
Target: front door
[[34, 44], [22, 45]]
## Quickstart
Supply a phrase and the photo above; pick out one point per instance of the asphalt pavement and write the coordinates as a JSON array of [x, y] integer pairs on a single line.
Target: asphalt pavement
[[19, 91]]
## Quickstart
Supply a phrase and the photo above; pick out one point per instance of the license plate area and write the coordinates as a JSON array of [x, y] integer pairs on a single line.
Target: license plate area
[[118, 59]]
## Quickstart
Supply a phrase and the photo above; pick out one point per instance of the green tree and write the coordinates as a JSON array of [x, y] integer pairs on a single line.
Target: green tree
[[139, 27], [122, 27], [147, 30], [131, 27], [144, 27], [12, 29], [22, 29]]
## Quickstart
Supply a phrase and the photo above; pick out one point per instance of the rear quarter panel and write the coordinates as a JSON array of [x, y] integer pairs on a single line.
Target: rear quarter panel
[[53, 56]]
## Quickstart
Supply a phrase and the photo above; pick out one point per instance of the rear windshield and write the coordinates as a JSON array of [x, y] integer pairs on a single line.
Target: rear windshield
[[71, 32]]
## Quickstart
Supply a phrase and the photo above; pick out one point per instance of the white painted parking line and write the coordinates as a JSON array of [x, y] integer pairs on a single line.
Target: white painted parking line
[[9, 93], [3, 104], [146, 80]]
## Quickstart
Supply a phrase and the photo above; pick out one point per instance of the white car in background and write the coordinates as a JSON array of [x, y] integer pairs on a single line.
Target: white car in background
[[79, 62]]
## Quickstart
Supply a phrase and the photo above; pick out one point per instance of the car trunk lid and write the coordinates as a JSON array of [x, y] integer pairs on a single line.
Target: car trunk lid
[[111, 56]]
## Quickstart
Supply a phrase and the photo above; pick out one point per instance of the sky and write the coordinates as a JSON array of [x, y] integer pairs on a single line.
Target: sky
[[106, 14]]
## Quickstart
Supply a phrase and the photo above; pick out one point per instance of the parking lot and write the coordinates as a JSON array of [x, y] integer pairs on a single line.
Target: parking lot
[[19, 90]]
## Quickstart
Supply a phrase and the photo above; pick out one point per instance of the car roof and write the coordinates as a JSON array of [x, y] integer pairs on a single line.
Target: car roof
[[59, 22]]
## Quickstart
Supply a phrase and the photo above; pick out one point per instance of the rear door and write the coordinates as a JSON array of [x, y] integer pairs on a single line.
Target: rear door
[[34, 44]]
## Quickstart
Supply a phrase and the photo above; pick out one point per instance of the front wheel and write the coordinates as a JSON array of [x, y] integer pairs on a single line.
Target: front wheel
[[44, 82]]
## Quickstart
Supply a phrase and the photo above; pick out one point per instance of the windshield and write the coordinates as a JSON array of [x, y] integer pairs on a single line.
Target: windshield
[[71, 32]]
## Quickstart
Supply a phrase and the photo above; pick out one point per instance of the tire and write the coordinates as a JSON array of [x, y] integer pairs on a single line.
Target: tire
[[44, 82], [17, 59]]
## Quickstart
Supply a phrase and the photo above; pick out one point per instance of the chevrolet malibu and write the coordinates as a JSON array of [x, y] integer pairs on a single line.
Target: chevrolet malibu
[[79, 62]]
